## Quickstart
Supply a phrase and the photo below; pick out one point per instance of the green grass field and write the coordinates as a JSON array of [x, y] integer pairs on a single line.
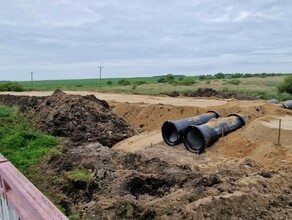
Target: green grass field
[[81, 84], [261, 87]]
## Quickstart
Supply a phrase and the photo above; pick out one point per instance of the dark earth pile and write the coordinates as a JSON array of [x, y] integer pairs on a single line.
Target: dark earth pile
[[136, 186], [25, 103], [80, 118], [209, 92]]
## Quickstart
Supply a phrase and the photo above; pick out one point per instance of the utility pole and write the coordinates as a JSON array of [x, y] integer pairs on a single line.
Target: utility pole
[[31, 78], [100, 68]]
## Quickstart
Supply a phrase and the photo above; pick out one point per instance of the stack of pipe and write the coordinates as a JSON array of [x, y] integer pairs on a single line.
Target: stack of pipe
[[172, 131], [199, 132]]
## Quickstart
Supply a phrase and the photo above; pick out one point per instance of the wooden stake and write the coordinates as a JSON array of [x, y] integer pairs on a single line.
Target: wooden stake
[[279, 134]]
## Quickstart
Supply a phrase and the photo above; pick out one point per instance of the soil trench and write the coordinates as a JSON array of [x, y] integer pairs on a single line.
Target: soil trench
[[258, 139]]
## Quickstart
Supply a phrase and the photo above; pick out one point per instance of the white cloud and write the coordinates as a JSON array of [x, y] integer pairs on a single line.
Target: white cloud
[[230, 16], [143, 37]]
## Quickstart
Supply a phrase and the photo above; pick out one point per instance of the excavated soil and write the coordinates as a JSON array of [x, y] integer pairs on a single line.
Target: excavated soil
[[80, 118], [244, 175], [209, 92]]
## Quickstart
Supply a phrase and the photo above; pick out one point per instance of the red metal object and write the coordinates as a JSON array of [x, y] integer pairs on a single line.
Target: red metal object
[[23, 197]]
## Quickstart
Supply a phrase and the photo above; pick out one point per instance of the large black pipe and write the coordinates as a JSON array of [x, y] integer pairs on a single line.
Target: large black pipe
[[197, 138], [288, 104], [172, 131]]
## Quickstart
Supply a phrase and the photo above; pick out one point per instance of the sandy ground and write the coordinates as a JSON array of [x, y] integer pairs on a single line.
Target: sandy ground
[[141, 99], [285, 123], [258, 139]]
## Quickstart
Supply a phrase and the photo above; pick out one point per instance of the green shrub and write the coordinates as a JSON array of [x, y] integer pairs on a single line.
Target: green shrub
[[79, 85], [5, 113], [202, 77], [234, 81], [172, 82], [109, 83], [208, 82], [219, 75], [237, 75], [124, 82], [140, 82], [162, 80], [225, 89], [11, 86], [169, 78], [286, 86], [187, 81]]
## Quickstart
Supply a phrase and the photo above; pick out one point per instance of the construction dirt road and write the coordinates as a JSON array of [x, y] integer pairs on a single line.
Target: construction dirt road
[[244, 175]]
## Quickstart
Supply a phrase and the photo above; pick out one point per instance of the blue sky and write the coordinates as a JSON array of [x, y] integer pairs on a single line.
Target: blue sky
[[63, 39]]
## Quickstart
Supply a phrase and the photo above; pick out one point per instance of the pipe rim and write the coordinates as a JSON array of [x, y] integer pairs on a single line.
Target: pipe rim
[[170, 133], [198, 138], [218, 115], [242, 119]]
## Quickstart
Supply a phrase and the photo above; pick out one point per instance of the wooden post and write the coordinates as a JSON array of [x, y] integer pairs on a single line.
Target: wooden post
[[279, 134]]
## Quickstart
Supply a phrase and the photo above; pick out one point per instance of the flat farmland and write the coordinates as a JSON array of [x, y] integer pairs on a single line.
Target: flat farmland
[[263, 88]]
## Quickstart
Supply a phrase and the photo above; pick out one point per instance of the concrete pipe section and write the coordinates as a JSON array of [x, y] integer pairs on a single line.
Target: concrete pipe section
[[197, 138], [172, 131]]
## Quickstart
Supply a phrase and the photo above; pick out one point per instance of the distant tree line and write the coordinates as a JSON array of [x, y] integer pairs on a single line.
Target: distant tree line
[[183, 80], [221, 75]]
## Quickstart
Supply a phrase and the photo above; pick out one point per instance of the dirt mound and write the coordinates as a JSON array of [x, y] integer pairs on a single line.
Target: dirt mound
[[172, 94], [81, 118], [209, 92], [203, 92], [25, 103], [143, 186]]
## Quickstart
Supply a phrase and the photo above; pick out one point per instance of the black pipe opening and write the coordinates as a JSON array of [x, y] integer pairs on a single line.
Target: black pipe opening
[[170, 133], [194, 140]]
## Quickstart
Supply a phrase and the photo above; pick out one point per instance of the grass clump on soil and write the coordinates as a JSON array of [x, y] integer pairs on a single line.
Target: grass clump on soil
[[79, 175], [187, 81], [234, 81], [20, 142], [266, 95]]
